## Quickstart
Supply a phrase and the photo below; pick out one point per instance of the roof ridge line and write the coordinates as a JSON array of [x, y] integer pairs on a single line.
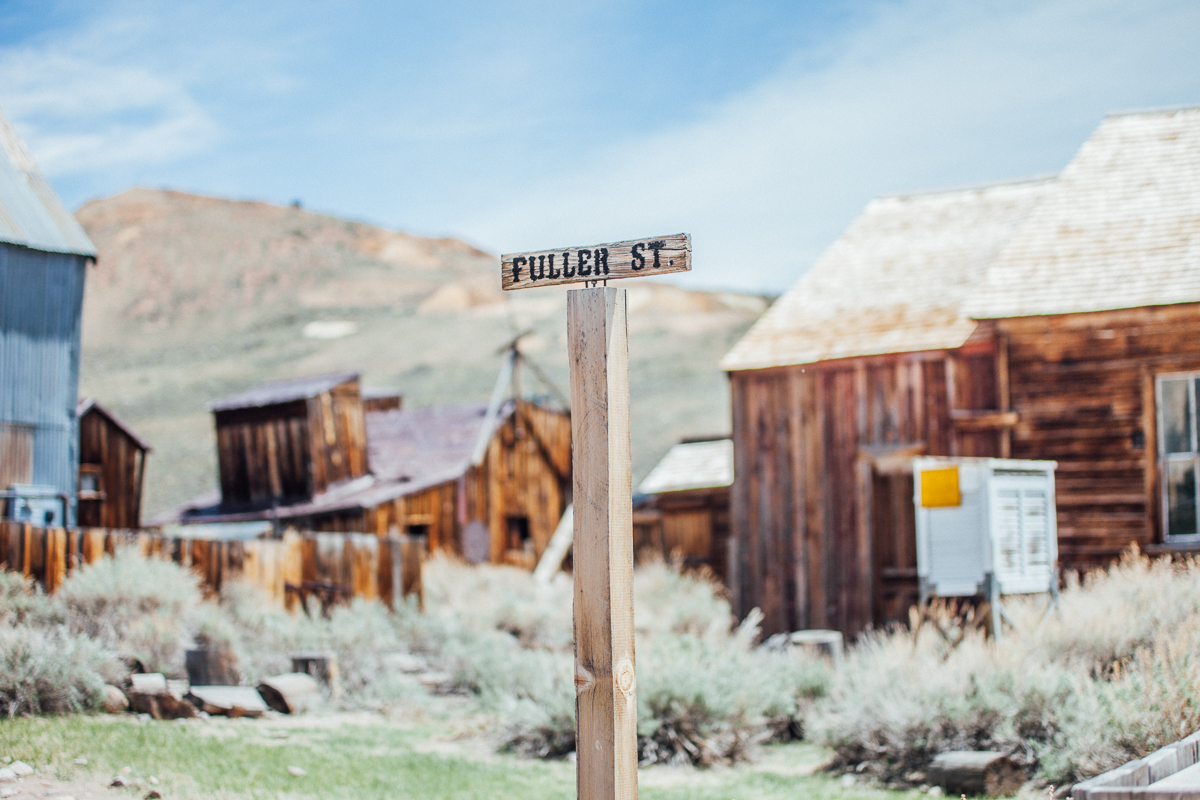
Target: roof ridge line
[[1041, 177], [1136, 112]]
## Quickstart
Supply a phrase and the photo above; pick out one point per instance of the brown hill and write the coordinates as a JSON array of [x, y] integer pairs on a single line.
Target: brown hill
[[196, 297]]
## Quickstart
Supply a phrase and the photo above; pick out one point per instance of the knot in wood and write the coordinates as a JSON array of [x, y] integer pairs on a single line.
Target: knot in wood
[[625, 678], [583, 679]]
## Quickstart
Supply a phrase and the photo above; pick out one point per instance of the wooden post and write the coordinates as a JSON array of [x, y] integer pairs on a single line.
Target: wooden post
[[598, 341], [605, 681]]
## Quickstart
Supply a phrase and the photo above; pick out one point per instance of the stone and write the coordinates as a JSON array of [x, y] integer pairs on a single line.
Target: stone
[[8, 791], [21, 768], [81, 761], [7, 775], [119, 782], [153, 794], [298, 772], [847, 781], [115, 701]]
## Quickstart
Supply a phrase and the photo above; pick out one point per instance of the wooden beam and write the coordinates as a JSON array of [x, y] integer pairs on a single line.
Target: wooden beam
[[983, 420], [605, 681], [1150, 457], [1004, 391]]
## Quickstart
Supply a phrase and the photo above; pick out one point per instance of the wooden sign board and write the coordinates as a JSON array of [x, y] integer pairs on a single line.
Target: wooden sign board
[[635, 258]]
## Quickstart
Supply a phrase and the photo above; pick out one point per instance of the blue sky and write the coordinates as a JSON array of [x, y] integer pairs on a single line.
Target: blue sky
[[761, 128]]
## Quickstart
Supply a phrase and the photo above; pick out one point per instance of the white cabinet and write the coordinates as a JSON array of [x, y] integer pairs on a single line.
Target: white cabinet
[[985, 516]]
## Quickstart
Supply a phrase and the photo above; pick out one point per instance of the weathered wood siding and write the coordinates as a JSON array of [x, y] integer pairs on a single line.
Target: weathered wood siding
[[1083, 385], [525, 474], [690, 528], [822, 498], [287, 452], [263, 454], [364, 566], [824, 535], [120, 461], [338, 431]]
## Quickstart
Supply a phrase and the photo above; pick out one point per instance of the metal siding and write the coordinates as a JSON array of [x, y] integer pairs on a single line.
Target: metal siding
[[41, 302], [30, 212]]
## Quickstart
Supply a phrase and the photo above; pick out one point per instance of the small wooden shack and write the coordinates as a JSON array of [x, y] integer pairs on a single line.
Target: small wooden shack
[[682, 512], [483, 486], [1054, 318], [288, 441], [112, 466], [43, 257]]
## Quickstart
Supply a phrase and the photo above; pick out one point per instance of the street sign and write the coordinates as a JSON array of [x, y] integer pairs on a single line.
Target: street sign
[[635, 258], [602, 476]]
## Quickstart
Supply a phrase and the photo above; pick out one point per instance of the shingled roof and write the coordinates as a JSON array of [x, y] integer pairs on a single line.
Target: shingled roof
[[30, 212], [284, 391], [896, 281], [1121, 228]]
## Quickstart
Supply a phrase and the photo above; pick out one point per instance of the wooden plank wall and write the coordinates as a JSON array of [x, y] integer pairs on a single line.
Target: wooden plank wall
[[1083, 386], [263, 454], [337, 436], [370, 567], [528, 473], [525, 473], [121, 463], [821, 534], [690, 528]]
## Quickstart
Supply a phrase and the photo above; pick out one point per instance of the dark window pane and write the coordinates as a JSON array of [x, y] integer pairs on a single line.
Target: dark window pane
[[1177, 418], [1181, 498]]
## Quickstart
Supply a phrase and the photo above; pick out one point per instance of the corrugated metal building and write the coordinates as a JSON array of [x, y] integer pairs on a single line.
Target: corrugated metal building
[[43, 256], [1044, 319]]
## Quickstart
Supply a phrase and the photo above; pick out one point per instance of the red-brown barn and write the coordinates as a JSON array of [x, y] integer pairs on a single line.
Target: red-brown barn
[[112, 468], [1054, 318]]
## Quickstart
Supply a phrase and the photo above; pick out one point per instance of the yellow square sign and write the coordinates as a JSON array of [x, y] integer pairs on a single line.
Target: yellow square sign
[[939, 488]]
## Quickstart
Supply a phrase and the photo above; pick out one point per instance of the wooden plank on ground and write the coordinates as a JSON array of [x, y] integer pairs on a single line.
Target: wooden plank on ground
[[605, 685]]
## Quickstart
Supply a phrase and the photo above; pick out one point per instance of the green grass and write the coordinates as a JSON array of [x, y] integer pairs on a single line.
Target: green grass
[[365, 757]]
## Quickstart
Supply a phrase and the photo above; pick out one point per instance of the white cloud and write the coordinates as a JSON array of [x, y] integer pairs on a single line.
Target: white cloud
[[83, 107], [925, 94]]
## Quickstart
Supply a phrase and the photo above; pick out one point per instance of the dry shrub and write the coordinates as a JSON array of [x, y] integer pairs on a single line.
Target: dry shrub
[[44, 669], [1108, 677], [490, 597], [135, 606]]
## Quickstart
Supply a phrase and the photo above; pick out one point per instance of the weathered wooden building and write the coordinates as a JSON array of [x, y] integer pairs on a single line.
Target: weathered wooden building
[[1055, 318], [682, 513], [112, 468], [43, 257], [304, 453]]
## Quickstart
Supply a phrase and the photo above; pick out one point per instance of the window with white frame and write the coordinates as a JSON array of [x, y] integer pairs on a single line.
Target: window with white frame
[[1179, 455]]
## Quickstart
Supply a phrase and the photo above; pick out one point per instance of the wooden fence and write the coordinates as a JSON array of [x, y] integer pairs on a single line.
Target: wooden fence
[[293, 570]]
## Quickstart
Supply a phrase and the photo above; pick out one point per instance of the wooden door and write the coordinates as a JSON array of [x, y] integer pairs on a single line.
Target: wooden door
[[16, 454], [894, 546]]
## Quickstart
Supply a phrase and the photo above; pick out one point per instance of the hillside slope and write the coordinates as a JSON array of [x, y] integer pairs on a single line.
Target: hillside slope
[[193, 298]]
